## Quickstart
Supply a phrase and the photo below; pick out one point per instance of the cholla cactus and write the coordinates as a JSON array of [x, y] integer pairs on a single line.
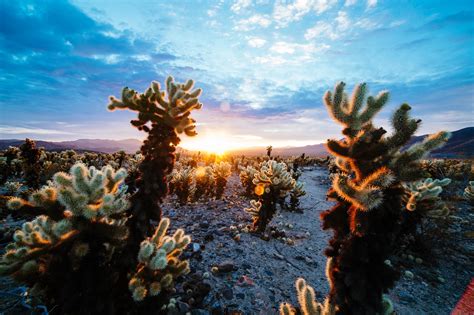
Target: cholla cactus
[[159, 263], [31, 165], [469, 192], [367, 217], [204, 182], [295, 194], [163, 115], [272, 182], [307, 301], [221, 172], [423, 195], [182, 180], [80, 217], [13, 188], [247, 174]]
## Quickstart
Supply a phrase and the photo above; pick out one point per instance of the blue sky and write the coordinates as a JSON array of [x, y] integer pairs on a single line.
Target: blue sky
[[263, 65]]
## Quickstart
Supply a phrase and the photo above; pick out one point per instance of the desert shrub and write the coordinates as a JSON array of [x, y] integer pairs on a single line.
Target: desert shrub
[[7, 165], [272, 182], [221, 172], [367, 217]]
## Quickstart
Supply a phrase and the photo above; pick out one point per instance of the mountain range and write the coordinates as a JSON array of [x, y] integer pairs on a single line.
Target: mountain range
[[460, 145]]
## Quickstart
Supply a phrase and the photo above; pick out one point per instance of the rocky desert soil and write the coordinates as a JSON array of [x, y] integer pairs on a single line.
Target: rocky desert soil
[[258, 275]]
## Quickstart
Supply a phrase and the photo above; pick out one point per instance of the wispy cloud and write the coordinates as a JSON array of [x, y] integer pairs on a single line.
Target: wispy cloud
[[252, 22]]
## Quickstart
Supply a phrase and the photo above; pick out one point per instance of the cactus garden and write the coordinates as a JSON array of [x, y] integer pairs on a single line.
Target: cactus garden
[[227, 158]]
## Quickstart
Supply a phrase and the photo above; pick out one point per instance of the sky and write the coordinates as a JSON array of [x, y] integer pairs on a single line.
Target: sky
[[263, 65]]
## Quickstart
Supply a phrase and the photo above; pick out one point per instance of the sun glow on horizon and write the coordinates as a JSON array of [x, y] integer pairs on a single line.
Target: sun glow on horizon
[[217, 144]]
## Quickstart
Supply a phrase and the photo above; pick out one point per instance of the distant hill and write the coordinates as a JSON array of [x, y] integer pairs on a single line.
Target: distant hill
[[460, 145], [80, 145]]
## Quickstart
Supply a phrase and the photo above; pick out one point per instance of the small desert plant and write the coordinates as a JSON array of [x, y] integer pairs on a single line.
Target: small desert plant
[[367, 218], [295, 194], [309, 305], [159, 263], [221, 172], [269, 151], [272, 183]]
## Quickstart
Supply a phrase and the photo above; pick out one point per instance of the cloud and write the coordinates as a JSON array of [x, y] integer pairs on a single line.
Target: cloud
[[252, 22], [371, 3], [348, 3], [284, 13], [238, 5], [12, 130], [256, 42], [327, 30]]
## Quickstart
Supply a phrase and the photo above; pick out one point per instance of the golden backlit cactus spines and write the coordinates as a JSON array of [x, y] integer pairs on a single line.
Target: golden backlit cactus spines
[[348, 112], [158, 262], [307, 301], [171, 107], [221, 172], [423, 195], [369, 191]]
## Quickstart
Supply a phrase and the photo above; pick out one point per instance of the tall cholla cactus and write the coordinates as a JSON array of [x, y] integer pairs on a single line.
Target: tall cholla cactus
[[221, 172], [367, 217], [423, 195], [469, 192], [80, 221], [272, 182], [158, 262], [247, 174], [163, 115]]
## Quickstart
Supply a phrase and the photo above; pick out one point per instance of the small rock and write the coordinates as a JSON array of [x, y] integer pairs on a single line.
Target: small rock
[[409, 274], [441, 279], [237, 238], [196, 247], [226, 266], [419, 260], [228, 294]]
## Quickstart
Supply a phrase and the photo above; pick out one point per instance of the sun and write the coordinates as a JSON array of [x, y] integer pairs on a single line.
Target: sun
[[217, 144]]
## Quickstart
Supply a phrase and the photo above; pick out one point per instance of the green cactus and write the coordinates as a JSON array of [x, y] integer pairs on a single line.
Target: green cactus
[[159, 263], [80, 223], [272, 182], [221, 172], [163, 115], [296, 193], [369, 213]]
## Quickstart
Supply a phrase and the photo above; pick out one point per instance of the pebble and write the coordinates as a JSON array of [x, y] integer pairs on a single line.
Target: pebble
[[228, 294], [409, 274], [226, 266], [196, 247]]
